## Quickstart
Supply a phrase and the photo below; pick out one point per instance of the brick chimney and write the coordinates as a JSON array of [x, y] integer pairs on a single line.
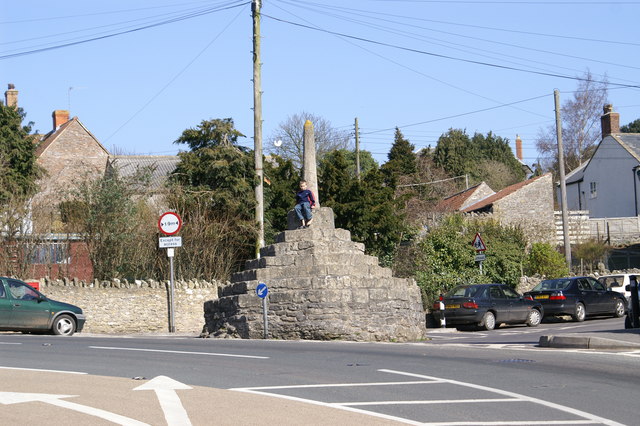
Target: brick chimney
[[60, 116], [518, 148], [610, 121], [11, 96]]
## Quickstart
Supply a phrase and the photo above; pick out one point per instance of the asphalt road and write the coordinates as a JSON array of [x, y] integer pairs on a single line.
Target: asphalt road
[[500, 377]]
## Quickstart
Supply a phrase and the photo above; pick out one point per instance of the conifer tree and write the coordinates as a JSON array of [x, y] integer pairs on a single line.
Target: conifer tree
[[18, 168], [401, 159]]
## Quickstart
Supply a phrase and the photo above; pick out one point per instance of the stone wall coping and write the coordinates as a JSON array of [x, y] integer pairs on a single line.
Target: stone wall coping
[[124, 283]]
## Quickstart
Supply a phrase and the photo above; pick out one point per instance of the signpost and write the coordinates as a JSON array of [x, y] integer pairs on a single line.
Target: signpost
[[170, 224], [480, 247], [262, 290]]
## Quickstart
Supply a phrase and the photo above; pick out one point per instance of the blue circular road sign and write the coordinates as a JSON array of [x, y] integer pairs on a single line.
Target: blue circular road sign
[[262, 290]]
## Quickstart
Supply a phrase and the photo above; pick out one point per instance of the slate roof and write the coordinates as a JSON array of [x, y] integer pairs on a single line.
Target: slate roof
[[160, 165], [630, 142], [576, 175], [487, 202]]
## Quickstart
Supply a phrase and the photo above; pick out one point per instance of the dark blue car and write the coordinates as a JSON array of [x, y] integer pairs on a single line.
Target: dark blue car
[[488, 305], [578, 297]]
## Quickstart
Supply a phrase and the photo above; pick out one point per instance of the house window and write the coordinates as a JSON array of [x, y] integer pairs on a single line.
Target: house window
[[50, 253], [593, 186]]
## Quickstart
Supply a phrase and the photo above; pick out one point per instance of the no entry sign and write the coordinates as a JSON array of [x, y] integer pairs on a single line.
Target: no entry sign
[[169, 223]]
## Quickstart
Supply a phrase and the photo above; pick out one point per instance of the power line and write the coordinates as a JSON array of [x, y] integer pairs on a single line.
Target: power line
[[157, 24], [175, 77], [424, 52], [368, 12], [460, 115]]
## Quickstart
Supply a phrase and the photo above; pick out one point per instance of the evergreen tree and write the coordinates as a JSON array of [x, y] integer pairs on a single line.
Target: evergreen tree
[[367, 208], [401, 159], [225, 173], [367, 162], [336, 186], [18, 168], [633, 127], [216, 190], [211, 133], [281, 183], [454, 152]]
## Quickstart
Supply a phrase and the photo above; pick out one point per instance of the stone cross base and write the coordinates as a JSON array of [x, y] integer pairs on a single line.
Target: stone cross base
[[322, 218], [321, 286]]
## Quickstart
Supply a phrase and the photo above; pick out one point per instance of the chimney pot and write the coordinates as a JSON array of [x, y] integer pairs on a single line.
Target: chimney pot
[[610, 121], [60, 116]]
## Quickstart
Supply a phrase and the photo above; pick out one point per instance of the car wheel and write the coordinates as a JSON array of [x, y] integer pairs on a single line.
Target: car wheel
[[534, 318], [620, 310], [580, 313], [488, 321], [64, 325]]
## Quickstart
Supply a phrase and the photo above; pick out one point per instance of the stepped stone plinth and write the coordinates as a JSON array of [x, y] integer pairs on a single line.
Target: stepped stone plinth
[[321, 286]]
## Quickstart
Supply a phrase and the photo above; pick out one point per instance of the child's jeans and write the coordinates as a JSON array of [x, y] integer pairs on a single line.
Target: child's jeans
[[303, 210]]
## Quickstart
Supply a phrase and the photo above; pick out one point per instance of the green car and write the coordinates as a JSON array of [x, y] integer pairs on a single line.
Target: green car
[[22, 308]]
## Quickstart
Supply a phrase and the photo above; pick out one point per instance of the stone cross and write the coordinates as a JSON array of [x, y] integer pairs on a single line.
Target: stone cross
[[309, 171]]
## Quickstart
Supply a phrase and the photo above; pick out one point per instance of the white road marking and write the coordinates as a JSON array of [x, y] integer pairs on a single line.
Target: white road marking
[[328, 404], [342, 385], [41, 369], [10, 343], [165, 389], [579, 413], [509, 423], [433, 401], [585, 418], [112, 348], [17, 398]]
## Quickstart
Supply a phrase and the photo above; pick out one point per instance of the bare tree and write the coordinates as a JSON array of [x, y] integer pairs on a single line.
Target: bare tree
[[287, 140], [580, 130]]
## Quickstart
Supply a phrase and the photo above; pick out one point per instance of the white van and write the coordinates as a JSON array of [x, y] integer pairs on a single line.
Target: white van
[[617, 282]]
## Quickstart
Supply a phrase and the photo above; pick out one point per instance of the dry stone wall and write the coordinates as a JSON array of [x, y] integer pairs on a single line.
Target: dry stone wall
[[135, 307]]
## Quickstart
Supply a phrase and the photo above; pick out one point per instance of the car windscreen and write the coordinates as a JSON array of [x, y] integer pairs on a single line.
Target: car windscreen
[[558, 284], [466, 291], [612, 281]]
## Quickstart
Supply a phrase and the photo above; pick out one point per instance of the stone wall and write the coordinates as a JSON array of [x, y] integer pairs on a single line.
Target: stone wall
[[135, 307], [531, 208]]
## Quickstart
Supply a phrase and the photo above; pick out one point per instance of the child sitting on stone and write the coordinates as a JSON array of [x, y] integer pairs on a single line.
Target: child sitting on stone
[[304, 203]]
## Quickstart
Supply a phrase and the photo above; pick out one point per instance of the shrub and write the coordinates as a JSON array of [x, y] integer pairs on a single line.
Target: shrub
[[544, 260]]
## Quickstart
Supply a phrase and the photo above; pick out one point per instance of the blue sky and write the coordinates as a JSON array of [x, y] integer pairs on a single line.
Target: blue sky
[[423, 66]]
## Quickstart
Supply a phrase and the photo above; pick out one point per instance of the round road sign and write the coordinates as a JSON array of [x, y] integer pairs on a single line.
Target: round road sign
[[262, 290], [169, 223]]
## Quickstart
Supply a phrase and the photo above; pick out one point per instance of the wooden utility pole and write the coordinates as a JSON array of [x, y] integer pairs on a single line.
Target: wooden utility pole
[[257, 123], [357, 151], [563, 186]]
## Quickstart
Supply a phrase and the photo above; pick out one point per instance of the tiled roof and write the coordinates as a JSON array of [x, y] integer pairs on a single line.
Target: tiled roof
[[500, 194], [160, 165], [456, 201]]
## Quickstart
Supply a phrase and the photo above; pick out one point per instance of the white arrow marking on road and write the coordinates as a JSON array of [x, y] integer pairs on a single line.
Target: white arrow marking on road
[[7, 398], [165, 389]]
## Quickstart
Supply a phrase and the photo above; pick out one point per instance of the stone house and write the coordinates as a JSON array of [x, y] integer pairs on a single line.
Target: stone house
[[527, 204], [70, 154]]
